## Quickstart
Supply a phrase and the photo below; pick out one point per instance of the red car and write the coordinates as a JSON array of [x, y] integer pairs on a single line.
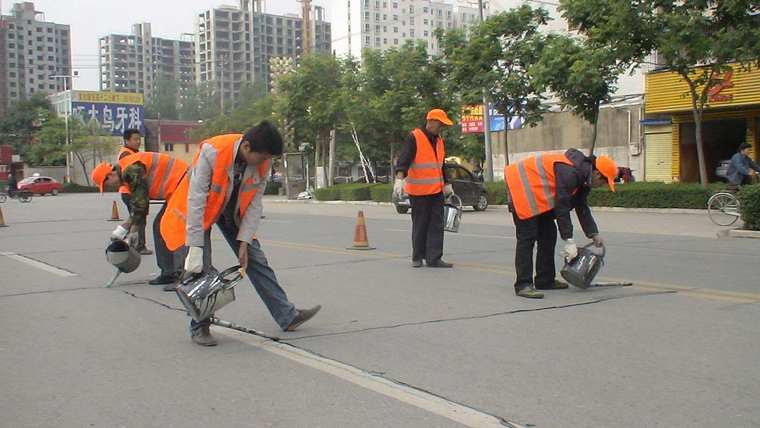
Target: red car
[[40, 185]]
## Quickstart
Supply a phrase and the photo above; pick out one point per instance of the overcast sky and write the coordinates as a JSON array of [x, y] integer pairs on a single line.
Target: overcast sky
[[92, 19]]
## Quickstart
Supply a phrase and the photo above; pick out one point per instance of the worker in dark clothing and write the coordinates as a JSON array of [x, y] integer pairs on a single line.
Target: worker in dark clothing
[[420, 174], [742, 168], [543, 189]]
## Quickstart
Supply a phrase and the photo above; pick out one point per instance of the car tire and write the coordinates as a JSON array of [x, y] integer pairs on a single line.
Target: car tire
[[402, 210], [482, 204], [54, 192]]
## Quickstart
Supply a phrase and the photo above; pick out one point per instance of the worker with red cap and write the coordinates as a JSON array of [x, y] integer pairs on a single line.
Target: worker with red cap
[[420, 174], [147, 176], [542, 189]]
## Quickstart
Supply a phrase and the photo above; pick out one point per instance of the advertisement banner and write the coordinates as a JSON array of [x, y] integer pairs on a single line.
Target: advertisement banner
[[113, 118]]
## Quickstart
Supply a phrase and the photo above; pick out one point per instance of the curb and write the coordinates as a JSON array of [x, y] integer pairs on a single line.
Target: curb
[[741, 233]]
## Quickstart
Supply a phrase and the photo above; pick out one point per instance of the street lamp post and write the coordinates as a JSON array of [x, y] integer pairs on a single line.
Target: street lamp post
[[486, 122], [66, 109]]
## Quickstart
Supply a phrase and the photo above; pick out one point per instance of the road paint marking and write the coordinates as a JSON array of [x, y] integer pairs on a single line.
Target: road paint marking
[[469, 235], [705, 293], [432, 403], [38, 264]]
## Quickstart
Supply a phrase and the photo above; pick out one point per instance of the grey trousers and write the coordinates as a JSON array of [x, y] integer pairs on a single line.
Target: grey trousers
[[262, 277], [169, 262]]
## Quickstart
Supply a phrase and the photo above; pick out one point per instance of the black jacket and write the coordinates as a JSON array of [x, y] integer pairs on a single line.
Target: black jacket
[[569, 178]]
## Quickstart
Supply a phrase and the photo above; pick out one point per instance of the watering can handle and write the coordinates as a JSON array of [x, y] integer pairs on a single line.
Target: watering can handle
[[450, 201], [233, 279]]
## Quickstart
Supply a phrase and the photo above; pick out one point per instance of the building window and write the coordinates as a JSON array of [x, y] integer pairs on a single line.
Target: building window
[[377, 28], [366, 40], [385, 17], [425, 10], [168, 147], [385, 41], [425, 33], [377, 17], [377, 41], [385, 29], [395, 41], [411, 32], [395, 5], [366, 27], [425, 21], [395, 29]]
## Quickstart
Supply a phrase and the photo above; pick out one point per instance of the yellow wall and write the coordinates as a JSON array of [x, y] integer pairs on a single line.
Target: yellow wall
[[667, 92], [179, 151]]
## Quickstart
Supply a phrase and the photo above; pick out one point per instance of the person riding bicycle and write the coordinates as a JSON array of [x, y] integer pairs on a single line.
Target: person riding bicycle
[[12, 185], [742, 168]]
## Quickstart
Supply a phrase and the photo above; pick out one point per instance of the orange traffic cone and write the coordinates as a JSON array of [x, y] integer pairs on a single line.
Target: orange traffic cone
[[114, 213], [361, 242], [2, 219]]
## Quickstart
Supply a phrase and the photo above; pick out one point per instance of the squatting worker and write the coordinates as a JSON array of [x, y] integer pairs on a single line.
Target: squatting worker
[[420, 173], [225, 187], [147, 176], [543, 188], [131, 146]]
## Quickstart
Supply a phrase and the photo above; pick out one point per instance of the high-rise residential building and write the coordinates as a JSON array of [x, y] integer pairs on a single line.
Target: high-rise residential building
[[235, 43], [32, 52], [385, 24], [137, 62]]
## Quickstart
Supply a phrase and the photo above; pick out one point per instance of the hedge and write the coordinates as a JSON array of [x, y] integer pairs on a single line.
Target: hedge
[[273, 188], [654, 195], [497, 193], [749, 200], [381, 192], [78, 188]]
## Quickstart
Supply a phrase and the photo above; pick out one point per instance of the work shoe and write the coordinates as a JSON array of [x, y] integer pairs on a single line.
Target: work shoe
[[530, 292], [172, 286], [416, 263], [164, 278], [202, 337], [555, 285], [145, 251], [440, 264], [302, 316]]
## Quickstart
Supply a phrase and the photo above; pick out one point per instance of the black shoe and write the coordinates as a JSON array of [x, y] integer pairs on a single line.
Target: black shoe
[[416, 263], [440, 264], [202, 337], [163, 279], [530, 292], [145, 251], [555, 285], [302, 316]]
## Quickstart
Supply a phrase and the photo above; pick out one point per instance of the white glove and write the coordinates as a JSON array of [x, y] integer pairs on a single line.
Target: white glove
[[570, 251], [194, 260], [398, 187], [448, 190], [119, 234]]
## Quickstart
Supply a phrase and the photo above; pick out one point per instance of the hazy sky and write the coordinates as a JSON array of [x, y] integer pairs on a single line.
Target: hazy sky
[[92, 19]]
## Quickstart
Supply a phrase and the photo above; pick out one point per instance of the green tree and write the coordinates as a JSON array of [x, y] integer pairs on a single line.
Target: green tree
[[199, 103], [164, 100], [22, 121], [495, 57]]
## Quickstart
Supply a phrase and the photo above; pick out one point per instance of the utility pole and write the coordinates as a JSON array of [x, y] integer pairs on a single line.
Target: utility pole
[[66, 112], [486, 122]]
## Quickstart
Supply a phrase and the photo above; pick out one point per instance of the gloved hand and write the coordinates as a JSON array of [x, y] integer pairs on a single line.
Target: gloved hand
[[570, 251], [448, 190], [119, 234], [598, 241], [132, 238], [398, 187], [194, 260]]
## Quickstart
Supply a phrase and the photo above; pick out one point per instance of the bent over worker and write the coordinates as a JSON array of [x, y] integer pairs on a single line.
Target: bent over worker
[[131, 146], [147, 176], [543, 188], [226, 187], [421, 162]]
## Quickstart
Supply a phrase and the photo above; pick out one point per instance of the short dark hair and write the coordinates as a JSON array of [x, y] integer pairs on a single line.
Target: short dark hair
[[744, 145], [264, 137], [129, 132]]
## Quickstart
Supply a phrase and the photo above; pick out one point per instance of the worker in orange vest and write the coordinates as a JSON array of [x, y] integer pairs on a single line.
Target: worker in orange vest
[[420, 174], [131, 146], [226, 187], [545, 188], [147, 176]]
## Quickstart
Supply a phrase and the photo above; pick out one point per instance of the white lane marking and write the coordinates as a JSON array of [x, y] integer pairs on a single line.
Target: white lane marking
[[456, 412], [39, 265], [469, 235]]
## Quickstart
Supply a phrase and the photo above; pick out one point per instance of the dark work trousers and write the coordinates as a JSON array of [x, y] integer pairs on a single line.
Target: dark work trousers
[[127, 199], [427, 227], [541, 229], [169, 262], [261, 275]]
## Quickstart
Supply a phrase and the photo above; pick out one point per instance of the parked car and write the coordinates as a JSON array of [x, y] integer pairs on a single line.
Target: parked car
[[41, 185], [469, 188], [722, 169]]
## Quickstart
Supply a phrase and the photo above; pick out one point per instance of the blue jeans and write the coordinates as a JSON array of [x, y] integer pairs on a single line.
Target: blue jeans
[[261, 275]]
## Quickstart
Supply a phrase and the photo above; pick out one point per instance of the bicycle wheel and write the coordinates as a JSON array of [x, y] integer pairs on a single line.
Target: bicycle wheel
[[723, 209], [25, 197], [3, 197]]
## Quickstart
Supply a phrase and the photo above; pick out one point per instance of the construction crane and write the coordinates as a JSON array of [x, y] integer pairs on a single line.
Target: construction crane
[[307, 36]]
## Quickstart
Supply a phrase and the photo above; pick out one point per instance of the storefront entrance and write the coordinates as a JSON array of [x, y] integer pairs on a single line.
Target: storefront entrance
[[721, 139]]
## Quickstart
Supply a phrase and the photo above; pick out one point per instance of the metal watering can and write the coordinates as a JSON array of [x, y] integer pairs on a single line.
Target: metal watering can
[[581, 270], [452, 213], [125, 258], [205, 293]]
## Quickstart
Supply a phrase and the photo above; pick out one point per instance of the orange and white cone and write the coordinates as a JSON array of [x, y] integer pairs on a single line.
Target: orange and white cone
[[114, 212], [361, 242]]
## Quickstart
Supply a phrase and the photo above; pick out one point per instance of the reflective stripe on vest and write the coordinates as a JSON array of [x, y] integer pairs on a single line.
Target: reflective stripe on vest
[[425, 175], [532, 185], [163, 172]]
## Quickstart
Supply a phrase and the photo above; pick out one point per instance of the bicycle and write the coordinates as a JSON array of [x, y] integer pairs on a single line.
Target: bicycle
[[723, 208], [23, 196]]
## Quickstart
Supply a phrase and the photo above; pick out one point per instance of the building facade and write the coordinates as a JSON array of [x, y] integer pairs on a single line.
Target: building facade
[[234, 44], [32, 52], [137, 62]]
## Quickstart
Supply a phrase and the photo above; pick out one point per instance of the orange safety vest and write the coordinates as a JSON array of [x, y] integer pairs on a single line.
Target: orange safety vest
[[125, 151], [163, 172], [173, 223], [425, 175], [532, 185]]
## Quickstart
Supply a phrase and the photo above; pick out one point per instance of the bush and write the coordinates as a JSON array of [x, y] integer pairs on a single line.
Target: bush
[[273, 188], [78, 188], [653, 195], [749, 199], [497, 193], [327, 194], [381, 192], [354, 192]]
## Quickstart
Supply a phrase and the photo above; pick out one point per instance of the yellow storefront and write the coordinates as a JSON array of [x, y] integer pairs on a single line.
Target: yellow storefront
[[731, 117]]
